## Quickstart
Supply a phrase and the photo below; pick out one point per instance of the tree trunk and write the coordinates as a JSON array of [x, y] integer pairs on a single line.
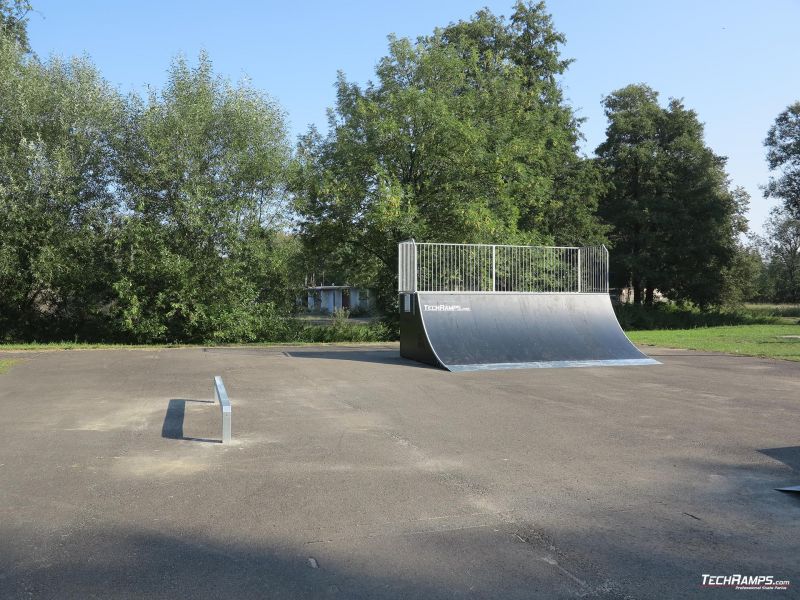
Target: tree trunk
[[648, 295], [637, 291]]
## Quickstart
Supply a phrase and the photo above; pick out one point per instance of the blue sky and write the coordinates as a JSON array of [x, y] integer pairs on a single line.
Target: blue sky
[[735, 62]]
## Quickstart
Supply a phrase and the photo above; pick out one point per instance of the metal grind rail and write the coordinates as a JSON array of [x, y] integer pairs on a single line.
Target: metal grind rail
[[221, 396]]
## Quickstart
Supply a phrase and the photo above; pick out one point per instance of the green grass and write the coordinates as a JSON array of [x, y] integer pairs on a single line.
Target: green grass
[[5, 365], [750, 340], [82, 346]]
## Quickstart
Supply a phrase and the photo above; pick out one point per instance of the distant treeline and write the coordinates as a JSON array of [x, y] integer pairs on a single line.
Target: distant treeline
[[188, 216]]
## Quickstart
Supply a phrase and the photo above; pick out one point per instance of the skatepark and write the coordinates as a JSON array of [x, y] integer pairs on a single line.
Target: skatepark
[[354, 472], [398, 480]]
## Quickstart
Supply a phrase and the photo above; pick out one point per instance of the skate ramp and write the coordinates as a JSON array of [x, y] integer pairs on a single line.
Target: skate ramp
[[470, 332]]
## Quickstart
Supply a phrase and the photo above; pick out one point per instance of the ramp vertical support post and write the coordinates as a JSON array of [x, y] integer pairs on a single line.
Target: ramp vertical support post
[[579, 270], [414, 260], [494, 269]]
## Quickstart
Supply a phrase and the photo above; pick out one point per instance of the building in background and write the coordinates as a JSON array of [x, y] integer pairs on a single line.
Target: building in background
[[329, 298]]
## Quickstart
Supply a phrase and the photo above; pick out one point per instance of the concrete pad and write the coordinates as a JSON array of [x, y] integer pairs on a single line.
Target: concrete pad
[[356, 474]]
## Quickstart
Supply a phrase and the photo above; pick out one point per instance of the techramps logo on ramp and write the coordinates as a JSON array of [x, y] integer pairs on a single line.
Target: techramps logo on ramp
[[445, 308], [745, 582]]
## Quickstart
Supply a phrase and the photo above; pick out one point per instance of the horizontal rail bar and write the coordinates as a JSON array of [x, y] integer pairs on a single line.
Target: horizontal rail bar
[[490, 293], [221, 396], [490, 245]]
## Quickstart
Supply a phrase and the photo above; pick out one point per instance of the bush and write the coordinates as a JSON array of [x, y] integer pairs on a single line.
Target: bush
[[774, 310], [673, 316], [344, 331]]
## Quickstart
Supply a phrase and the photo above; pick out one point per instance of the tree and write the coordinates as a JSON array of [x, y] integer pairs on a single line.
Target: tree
[[781, 247], [675, 219], [201, 253], [464, 137], [59, 121], [783, 154], [744, 278], [14, 20]]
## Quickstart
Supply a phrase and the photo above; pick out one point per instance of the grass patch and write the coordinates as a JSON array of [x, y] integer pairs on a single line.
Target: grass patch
[[26, 346], [5, 364], [769, 341]]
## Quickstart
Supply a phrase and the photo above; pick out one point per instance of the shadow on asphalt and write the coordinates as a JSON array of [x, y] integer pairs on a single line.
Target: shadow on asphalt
[[386, 357], [173, 421], [790, 456], [125, 563]]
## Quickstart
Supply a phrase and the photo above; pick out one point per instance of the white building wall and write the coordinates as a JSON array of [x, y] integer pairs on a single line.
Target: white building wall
[[331, 300]]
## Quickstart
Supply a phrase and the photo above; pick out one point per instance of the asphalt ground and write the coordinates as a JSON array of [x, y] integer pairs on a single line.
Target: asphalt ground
[[357, 474]]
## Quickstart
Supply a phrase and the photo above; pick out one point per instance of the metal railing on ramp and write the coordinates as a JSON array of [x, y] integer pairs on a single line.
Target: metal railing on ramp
[[498, 268]]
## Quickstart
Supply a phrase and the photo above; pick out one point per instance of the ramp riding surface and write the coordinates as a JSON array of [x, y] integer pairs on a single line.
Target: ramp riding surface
[[469, 332]]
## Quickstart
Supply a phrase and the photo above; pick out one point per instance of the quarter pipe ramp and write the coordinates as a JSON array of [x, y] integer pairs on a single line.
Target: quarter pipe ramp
[[468, 307], [469, 332]]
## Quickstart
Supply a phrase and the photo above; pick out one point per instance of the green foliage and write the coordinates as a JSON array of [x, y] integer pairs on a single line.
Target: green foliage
[[781, 248], [14, 21], [774, 310], [665, 315], [59, 122], [464, 137], [743, 278], [199, 256], [163, 219], [783, 155], [675, 220], [345, 331], [148, 221]]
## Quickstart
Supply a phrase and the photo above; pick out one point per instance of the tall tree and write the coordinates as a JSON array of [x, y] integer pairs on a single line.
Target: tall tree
[[201, 252], [781, 247], [464, 137], [58, 125], [783, 155], [675, 219]]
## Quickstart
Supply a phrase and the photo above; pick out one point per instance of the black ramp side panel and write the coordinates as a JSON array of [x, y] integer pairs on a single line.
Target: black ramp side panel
[[414, 343], [467, 332]]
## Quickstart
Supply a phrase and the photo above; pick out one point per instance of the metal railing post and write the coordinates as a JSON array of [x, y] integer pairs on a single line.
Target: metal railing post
[[221, 396], [400, 265], [414, 283], [494, 268], [579, 270]]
